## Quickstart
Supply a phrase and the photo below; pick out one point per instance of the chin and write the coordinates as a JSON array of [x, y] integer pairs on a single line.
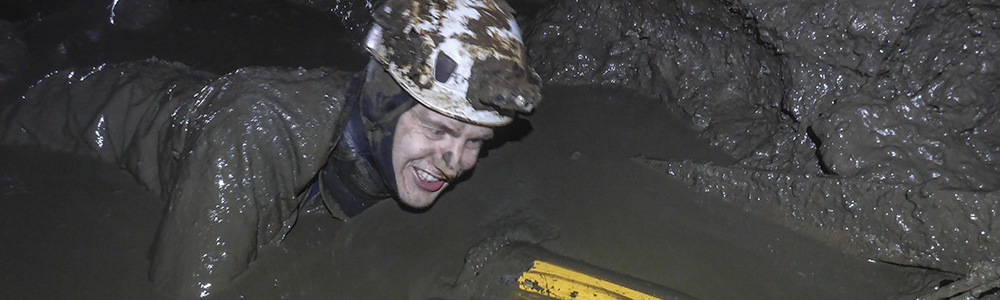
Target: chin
[[417, 201]]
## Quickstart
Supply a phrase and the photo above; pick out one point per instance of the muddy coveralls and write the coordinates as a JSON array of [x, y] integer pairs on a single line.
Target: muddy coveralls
[[235, 156]]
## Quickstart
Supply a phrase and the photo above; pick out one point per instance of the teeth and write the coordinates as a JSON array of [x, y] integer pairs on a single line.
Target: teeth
[[426, 176]]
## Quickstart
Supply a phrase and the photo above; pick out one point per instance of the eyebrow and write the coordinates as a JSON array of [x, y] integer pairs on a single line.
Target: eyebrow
[[449, 130], [439, 125]]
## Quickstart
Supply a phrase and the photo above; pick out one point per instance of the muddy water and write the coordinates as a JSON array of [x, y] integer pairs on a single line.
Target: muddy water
[[72, 227], [76, 228]]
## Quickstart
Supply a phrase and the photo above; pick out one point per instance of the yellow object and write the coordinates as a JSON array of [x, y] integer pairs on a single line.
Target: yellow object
[[561, 283]]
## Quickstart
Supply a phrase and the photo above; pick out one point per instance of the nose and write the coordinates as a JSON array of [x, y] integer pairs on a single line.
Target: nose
[[450, 160], [447, 157]]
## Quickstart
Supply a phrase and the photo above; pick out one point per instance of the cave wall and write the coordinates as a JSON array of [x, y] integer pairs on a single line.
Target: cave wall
[[864, 122], [898, 91]]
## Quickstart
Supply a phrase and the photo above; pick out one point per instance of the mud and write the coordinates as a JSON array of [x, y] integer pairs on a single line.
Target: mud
[[82, 229], [864, 127], [871, 121]]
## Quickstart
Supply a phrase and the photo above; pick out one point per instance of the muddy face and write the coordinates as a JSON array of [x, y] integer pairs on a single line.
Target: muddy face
[[430, 150]]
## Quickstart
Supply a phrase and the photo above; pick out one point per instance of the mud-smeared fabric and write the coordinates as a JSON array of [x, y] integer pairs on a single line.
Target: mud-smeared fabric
[[13, 56], [350, 183], [359, 171], [120, 113], [382, 103], [231, 154]]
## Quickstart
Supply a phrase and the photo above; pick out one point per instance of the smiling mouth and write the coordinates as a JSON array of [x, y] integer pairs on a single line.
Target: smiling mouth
[[426, 181]]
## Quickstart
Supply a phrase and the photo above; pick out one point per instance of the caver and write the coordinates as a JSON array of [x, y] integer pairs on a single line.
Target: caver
[[238, 157]]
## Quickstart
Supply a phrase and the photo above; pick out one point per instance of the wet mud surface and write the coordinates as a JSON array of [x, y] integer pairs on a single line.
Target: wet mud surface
[[739, 101], [874, 122], [82, 228]]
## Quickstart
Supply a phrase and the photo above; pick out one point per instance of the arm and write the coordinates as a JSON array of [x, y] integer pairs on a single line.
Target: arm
[[246, 146]]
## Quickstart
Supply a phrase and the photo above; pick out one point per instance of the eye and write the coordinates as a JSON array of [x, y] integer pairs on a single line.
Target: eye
[[443, 67], [434, 133]]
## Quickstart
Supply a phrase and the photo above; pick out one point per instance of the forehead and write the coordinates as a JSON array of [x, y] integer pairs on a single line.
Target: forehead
[[433, 118]]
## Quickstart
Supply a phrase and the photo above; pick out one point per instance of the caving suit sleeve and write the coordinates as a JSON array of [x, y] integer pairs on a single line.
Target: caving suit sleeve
[[117, 112], [230, 154], [250, 143]]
